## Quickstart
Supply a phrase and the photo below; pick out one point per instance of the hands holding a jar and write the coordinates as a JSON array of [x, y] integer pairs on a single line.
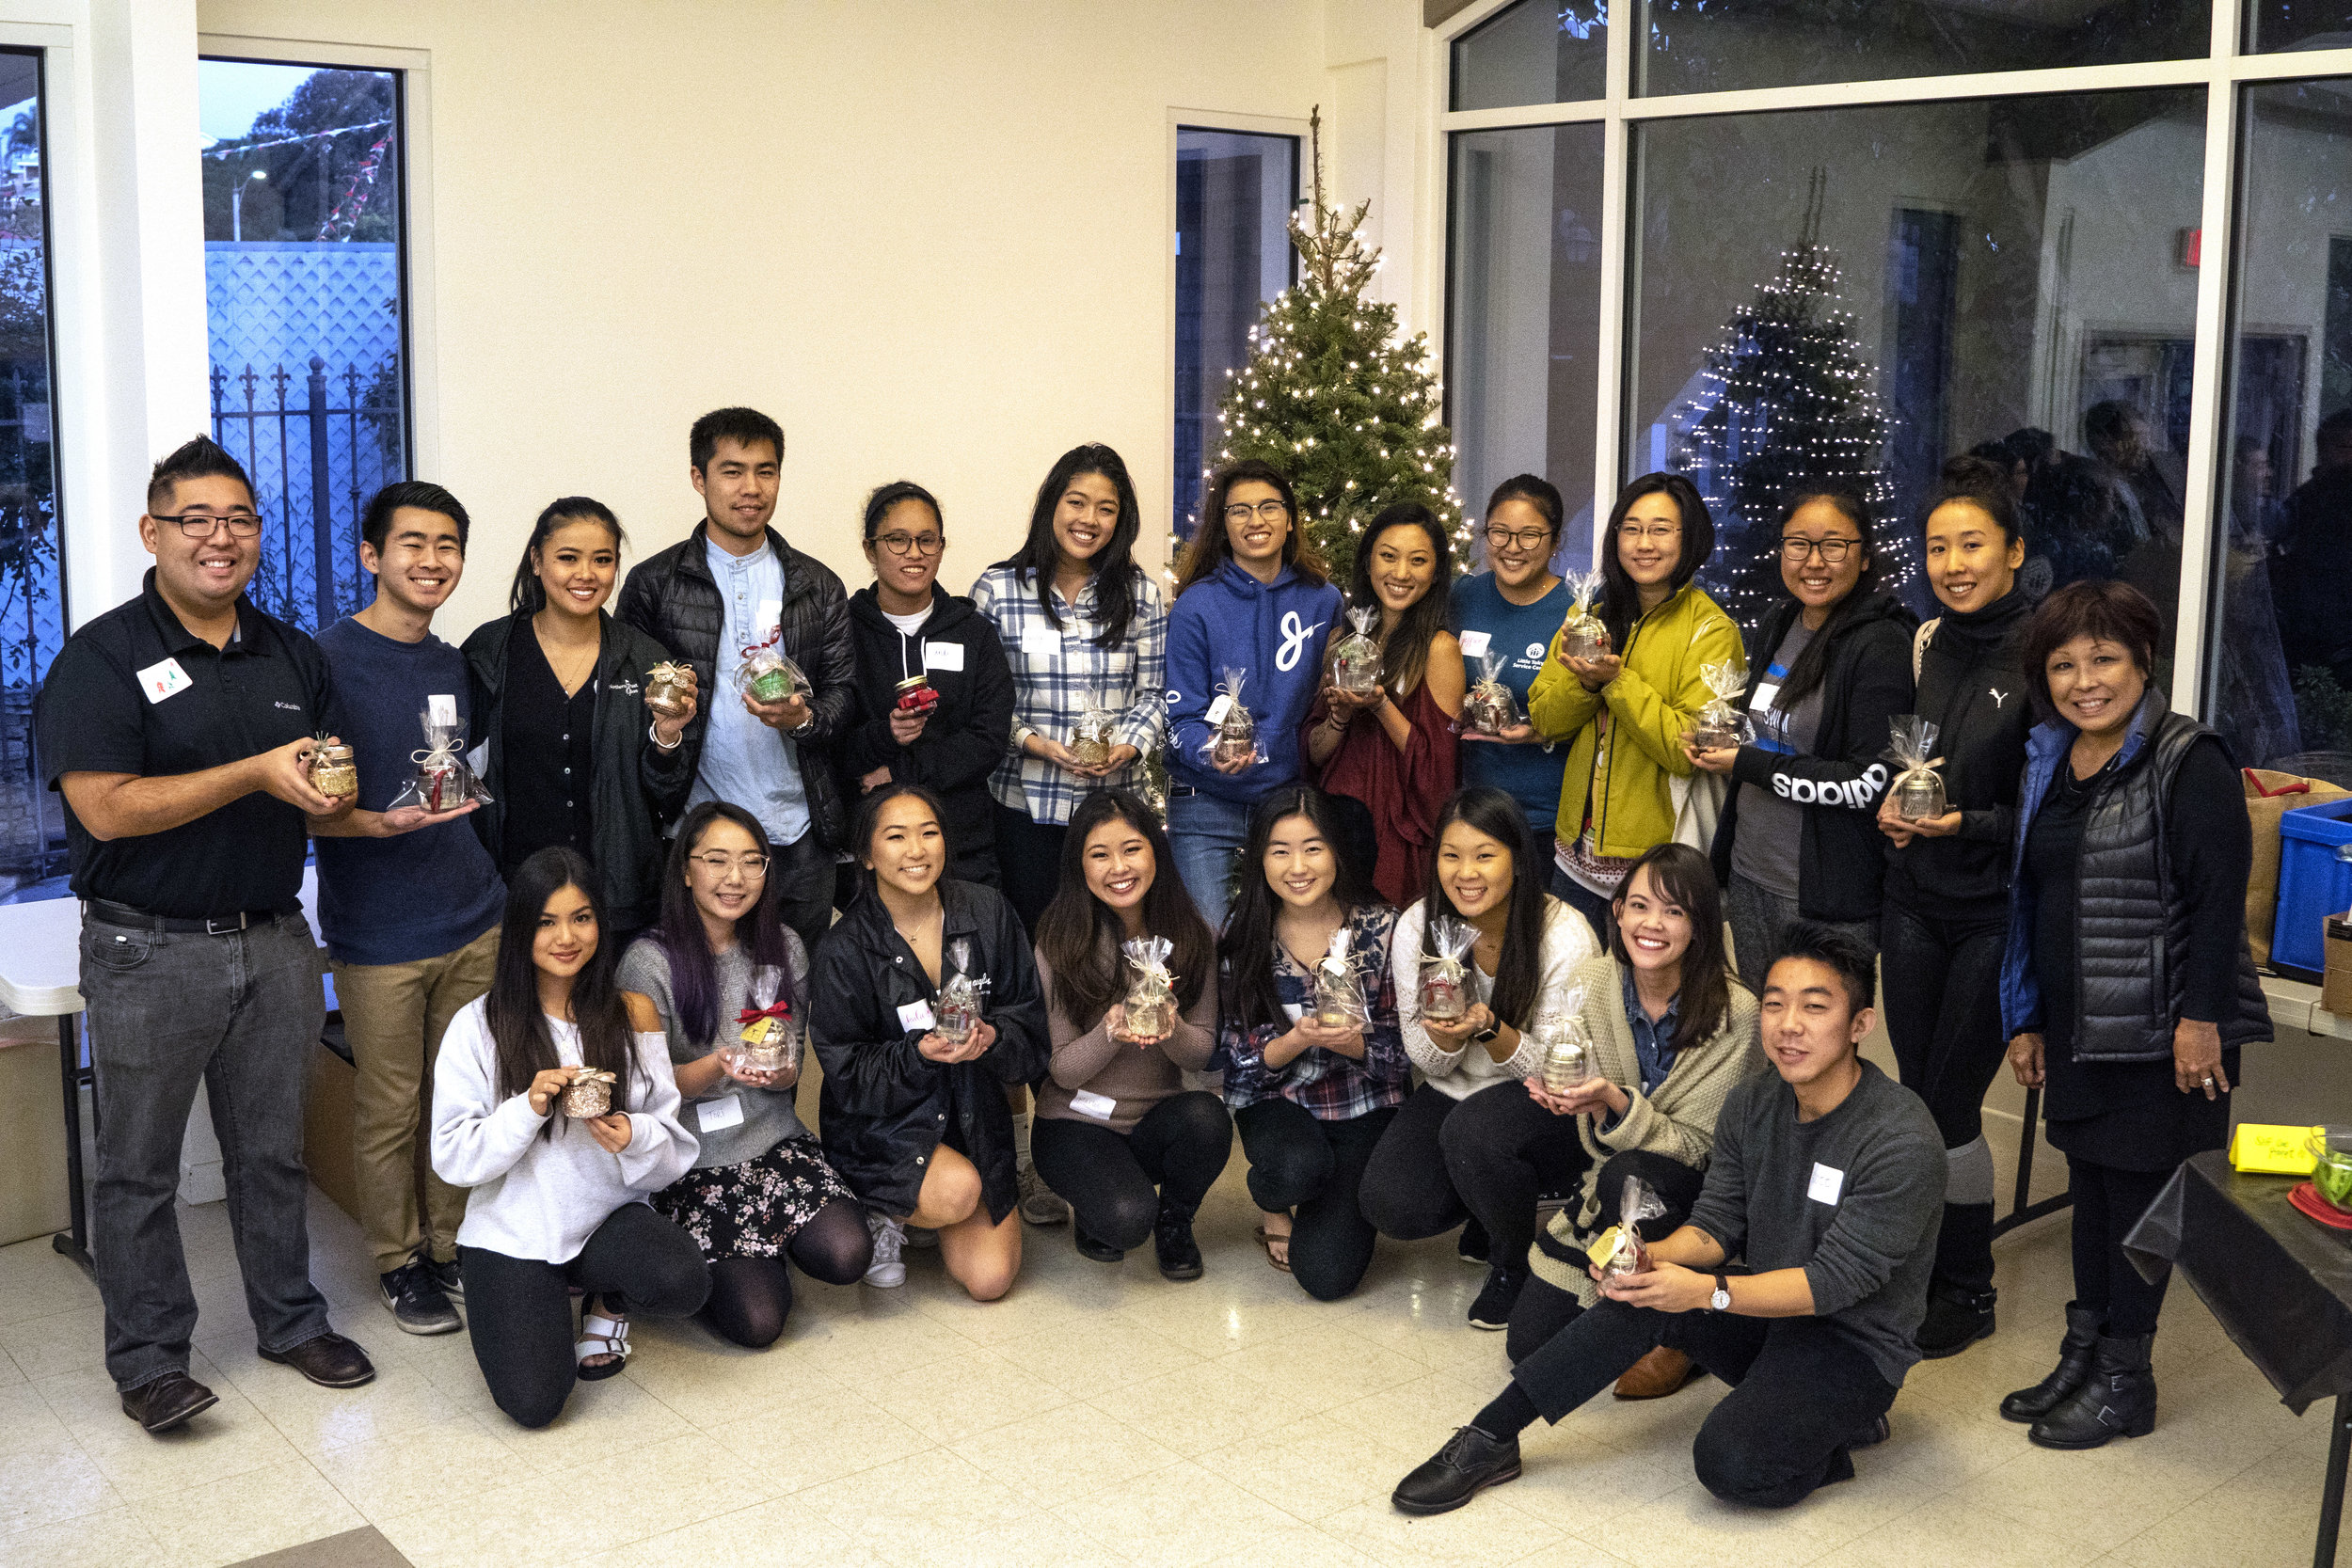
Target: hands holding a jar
[[668, 728]]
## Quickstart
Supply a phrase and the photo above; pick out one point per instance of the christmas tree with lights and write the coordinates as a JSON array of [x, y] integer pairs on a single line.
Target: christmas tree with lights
[[1333, 398], [1787, 406]]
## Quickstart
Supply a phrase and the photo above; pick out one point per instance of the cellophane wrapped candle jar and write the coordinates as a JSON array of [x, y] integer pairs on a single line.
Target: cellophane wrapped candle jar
[[666, 689], [589, 1093], [1233, 732], [1489, 708], [1355, 657], [1339, 999], [1090, 737], [958, 1007], [1918, 789], [767, 676], [1444, 990], [1566, 1047], [1719, 726], [1582, 636], [1149, 1009]]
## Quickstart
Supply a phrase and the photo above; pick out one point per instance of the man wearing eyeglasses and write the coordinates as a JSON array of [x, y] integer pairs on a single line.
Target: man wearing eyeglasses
[[178, 728], [732, 586]]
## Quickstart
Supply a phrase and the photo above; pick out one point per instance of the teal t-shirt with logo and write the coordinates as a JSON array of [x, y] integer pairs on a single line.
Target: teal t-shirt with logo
[[1519, 636]]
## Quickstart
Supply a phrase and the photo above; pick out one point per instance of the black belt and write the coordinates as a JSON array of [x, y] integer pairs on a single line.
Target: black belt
[[211, 926]]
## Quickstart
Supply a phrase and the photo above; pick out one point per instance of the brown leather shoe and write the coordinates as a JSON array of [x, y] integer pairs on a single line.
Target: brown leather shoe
[[1663, 1371], [167, 1401], [330, 1361]]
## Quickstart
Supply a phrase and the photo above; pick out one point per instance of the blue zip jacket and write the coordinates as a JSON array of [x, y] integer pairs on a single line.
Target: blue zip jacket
[[1273, 633]]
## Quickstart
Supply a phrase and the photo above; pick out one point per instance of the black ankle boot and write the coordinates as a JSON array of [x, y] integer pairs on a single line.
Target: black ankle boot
[[2075, 1353], [1101, 1252], [2116, 1400], [1956, 1318], [1171, 1238]]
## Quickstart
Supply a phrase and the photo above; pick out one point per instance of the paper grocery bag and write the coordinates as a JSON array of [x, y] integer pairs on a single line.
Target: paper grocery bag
[[2270, 796]]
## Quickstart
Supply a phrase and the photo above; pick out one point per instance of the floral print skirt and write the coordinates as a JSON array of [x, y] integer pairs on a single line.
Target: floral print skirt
[[751, 1208]]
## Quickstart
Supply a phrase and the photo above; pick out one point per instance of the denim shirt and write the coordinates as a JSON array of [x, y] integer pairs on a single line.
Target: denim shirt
[[1653, 1043], [740, 758]]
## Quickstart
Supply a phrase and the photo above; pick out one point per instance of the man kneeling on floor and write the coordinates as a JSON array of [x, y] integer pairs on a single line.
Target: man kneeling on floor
[[1827, 1181]]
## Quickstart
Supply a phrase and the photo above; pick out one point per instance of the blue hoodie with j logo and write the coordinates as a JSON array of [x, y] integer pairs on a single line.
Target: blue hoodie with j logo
[[1274, 633]]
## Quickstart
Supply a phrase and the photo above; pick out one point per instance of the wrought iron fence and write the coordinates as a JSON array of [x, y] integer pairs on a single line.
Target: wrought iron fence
[[314, 456]]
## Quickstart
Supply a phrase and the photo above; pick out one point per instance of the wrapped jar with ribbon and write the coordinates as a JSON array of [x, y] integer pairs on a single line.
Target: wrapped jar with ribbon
[[589, 1093], [1149, 1009], [333, 772], [766, 675], [1355, 657], [1339, 989], [959, 1007], [1719, 726], [767, 1040], [1582, 636], [1619, 1250], [1566, 1047], [1918, 789], [669, 690], [1444, 990], [1489, 708], [1232, 733], [1092, 736], [443, 780]]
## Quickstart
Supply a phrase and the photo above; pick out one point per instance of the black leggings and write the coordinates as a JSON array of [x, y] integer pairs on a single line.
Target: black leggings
[[518, 1310], [1941, 982], [1028, 855], [1543, 1309], [1315, 1168], [1802, 1392], [1490, 1156], [1116, 1182], [2107, 1203], [750, 1297]]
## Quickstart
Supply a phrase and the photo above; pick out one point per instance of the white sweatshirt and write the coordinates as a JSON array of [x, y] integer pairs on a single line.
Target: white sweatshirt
[[1567, 940], [543, 1198]]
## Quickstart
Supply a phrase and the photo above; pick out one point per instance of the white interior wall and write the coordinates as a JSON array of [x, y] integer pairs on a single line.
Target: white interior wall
[[930, 239]]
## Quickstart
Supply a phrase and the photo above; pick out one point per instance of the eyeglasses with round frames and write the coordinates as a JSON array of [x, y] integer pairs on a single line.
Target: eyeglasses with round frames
[[718, 864], [1272, 511], [912, 544], [1526, 538], [1831, 550], [1664, 532]]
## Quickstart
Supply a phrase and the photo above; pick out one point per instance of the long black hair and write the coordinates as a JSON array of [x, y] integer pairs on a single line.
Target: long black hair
[[1211, 547], [1113, 568], [1246, 990], [1620, 595], [1078, 935], [1682, 877], [1812, 667], [530, 596], [518, 1027], [1405, 653], [869, 816], [1519, 970], [760, 931]]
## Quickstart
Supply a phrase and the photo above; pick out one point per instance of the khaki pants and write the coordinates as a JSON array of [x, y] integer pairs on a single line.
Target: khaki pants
[[394, 1016]]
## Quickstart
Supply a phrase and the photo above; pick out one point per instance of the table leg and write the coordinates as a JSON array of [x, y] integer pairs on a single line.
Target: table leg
[[2021, 1212], [2331, 1499], [75, 1241]]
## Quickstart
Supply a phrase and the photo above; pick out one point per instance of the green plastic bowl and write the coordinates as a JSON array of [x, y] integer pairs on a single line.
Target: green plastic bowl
[[2332, 1147]]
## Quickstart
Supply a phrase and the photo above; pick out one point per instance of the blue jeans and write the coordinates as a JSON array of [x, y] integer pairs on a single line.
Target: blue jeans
[[1206, 832], [242, 1012]]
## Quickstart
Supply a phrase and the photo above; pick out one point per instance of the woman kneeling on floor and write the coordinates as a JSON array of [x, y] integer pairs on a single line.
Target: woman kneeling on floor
[[912, 1108], [559, 1199], [1115, 1122], [719, 969]]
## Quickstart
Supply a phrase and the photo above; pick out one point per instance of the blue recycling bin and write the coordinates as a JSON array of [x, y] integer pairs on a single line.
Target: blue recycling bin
[[2314, 881]]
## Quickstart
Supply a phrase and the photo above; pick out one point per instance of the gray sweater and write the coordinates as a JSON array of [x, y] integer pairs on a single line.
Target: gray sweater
[[1853, 1198], [769, 1117]]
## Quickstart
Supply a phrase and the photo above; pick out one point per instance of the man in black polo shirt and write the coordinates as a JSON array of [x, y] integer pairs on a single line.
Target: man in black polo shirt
[[178, 728]]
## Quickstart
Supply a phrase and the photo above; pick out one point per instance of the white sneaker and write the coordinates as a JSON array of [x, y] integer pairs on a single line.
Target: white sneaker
[[886, 1273]]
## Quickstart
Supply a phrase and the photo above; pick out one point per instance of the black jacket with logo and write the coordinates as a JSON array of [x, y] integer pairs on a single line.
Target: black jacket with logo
[[885, 1107], [672, 597], [1973, 688], [962, 742], [636, 787], [1842, 859]]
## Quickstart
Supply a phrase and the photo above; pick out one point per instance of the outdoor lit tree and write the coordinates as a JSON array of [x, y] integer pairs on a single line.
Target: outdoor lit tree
[[1331, 396]]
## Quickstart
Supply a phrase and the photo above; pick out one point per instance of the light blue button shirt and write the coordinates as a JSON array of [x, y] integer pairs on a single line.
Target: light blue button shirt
[[743, 760]]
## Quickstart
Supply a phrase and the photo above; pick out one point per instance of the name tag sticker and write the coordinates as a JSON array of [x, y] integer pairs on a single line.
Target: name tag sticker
[[1826, 1185], [916, 1015], [1218, 709], [1475, 644], [1039, 640], [162, 680], [1087, 1103], [943, 656], [1293, 1011], [1765, 692], [441, 708], [713, 1115]]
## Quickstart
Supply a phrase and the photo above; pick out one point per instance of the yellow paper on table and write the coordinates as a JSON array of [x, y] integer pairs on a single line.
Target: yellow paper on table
[[2272, 1150]]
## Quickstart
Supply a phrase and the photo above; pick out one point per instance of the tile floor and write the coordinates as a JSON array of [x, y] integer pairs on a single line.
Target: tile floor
[[1096, 1416]]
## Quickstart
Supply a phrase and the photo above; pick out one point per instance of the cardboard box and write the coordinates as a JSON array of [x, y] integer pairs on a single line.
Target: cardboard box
[[2335, 990], [34, 1197]]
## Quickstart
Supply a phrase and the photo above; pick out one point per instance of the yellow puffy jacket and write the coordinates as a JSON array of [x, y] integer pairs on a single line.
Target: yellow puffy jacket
[[1629, 736]]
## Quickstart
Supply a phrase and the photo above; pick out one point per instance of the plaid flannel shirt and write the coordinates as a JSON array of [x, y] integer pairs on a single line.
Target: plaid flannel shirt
[[1328, 1086], [1049, 692]]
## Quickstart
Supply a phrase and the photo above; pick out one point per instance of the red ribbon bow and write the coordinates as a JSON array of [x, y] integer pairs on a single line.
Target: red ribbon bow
[[781, 1012]]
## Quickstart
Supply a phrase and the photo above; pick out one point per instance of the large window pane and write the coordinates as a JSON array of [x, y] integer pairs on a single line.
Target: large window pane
[[1720, 45], [1523, 338], [2279, 666], [1535, 52], [303, 278], [32, 591], [1856, 294], [2275, 25], [1233, 195]]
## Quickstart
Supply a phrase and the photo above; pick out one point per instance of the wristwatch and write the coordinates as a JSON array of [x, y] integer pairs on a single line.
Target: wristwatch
[[1487, 1035], [1721, 1300]]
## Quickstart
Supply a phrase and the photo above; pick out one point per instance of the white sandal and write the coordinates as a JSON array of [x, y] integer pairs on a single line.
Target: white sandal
[[601, 1336]]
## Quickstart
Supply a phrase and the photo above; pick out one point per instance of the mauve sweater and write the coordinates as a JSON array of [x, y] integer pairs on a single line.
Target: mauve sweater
[[1138, 1077]]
